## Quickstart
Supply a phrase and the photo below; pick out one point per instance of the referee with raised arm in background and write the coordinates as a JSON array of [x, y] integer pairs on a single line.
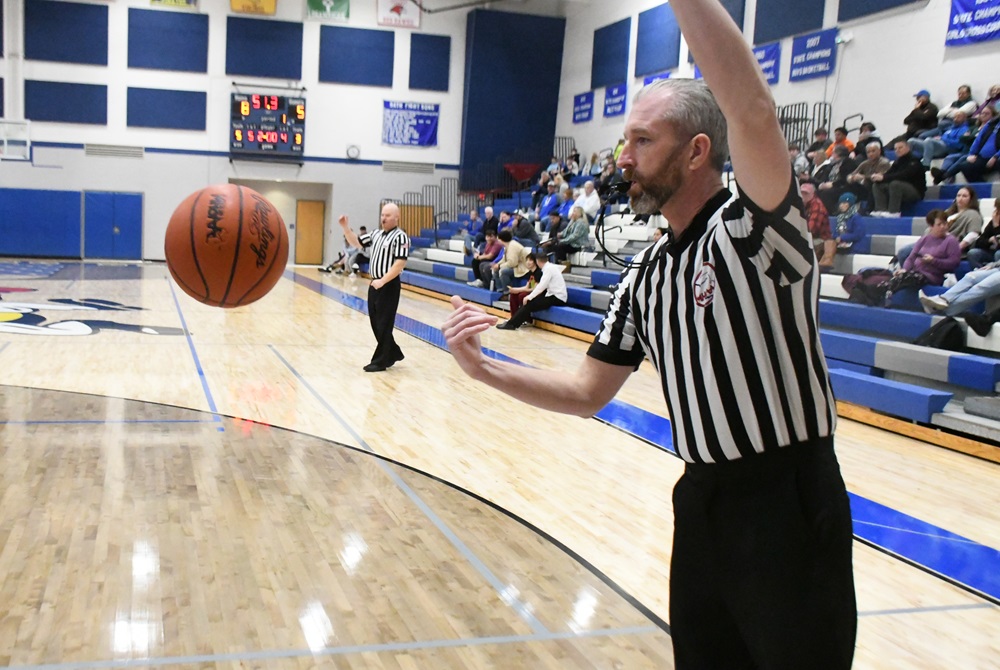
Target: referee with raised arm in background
[[389, 248], [725, 309]]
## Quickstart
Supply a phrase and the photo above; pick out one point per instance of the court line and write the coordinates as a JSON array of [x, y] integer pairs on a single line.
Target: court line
[[272, 654], [194, 355], [74, 422], [523, 609], [927, 610], [5, 345], [967, 564]]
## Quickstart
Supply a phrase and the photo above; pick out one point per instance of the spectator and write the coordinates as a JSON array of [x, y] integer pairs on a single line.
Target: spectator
[[849, 228], [948, 142], [987, 247], [816, 152], [550, 292], [832, 176], [618, 150], [974, 287], [540, 190], [512, 270], [524, 232], [490, 222], [472, 235], [934, 254], [609, 177], [574, 238], [361, 257], [964, 105], [923, 116], [554, 167], [566, 199], [867, 135], [571, 168], [591, 167], [903, 183], [991, 100], [516, 294], [800, 164], [553, 226], [549, 203], [482, 262], [952, 162], [589, 201], [840, 140], [658, 233], [818, 220], [965, 223], [861, 179], [505, 221], [983, 154]]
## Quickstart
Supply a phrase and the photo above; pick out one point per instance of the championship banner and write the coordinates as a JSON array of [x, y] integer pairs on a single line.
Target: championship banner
[[328, 10], [583, 107], [410, 124], [266, 7], [398, 14], [814, 55], [655, 77], [183, 4], [614, 100], [973, 21], [769, 58]]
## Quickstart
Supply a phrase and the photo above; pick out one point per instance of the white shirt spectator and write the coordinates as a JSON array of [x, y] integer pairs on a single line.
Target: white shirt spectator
[[551, 283], [589, 200]]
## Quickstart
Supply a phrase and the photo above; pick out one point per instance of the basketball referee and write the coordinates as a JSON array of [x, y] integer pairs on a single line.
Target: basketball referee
[[725, 309], [389, 248]]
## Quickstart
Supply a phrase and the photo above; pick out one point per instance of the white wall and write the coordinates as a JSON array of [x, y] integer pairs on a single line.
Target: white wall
[[890, 57]]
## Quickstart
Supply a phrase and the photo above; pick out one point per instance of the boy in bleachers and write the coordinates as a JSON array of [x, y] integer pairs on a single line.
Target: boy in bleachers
[[849, 228], [839, 140], [481, 262]]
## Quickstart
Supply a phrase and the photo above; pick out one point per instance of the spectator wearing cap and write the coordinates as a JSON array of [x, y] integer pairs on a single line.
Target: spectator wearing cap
[[904, 182], [548, 203], [924, 115], [849, 228], [816, 152], [840, 140]]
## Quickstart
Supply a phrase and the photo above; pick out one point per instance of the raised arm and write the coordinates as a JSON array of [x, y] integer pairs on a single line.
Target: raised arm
[[352, 239], [757, 146]]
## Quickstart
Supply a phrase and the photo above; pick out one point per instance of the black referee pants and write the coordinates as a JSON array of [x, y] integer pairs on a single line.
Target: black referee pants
[[382, 305], [761, 573]]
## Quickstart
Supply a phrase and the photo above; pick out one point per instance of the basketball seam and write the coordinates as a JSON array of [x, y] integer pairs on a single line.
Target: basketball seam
[[194, 249], [267, 273], [236, 255]]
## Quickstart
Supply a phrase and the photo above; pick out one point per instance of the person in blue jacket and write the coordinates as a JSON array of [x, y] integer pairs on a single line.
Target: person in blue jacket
[[983, 156], [850, 227]]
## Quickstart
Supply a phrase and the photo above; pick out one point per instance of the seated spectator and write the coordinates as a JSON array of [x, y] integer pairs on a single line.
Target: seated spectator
[[964, 105], [983, 154], [992, 99], [592, 167], [566, 200], [831, 178], [512, 270], [570, 168], [482, 262], [923, 116], [540, 190], [867, 135], [816, 153], [840, 140], [589, 201], [948, 142], [472, 232], [553, 226], [550, 292], [344, 264], [903, 183], [800, 164], [965, 223], [506, 221], [952, 161], [524, 232], [658, 233], [849, 228], [861, 179], [360, 258], [574, 238], [609, 177], [548, 204], [516, 294], [974, 287], [818, 220], [987, 247], [554, 167], [936, 253]]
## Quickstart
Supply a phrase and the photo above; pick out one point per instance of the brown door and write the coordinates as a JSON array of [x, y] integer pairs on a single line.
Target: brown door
[[309, 216]]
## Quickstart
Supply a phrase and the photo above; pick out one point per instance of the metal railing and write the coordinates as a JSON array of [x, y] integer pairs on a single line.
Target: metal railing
[[15, 140]]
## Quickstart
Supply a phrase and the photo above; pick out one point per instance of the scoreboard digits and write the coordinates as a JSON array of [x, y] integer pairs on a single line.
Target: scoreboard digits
[[267, 126]]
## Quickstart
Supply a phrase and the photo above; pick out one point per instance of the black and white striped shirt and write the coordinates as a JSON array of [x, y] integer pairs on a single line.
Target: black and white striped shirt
[[727, 315], [386, 248]]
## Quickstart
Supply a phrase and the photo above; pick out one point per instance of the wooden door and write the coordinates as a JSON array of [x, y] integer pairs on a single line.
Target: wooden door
[[309, 217]]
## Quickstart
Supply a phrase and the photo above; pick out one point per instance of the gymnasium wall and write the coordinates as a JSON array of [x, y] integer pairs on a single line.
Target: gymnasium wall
[[891, 55]]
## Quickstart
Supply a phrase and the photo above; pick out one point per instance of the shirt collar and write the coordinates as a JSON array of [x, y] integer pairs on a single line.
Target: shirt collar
[[699, 224]]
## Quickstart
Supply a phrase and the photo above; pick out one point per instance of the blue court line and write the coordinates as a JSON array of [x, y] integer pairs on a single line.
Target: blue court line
[[522, 609], [5, 345], [75, 422], [959, 560], [390, 647], [197, 362]]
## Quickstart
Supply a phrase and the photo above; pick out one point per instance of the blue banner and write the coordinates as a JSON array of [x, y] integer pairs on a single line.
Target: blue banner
[[614, 100], [814, 55], [973, 21], [412, 124], [583, 107], [769, 59], [654, 77]]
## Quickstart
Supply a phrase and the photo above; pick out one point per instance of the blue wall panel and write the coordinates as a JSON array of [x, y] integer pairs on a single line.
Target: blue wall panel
[[853, 9], [261, 48], [156, 108], [356, 55], [781, 18], [430, 61], [39, 223], [66, 32], [66, 103], [167, 40], [609, 63], [736, 9], [511, 93], [658, 43]]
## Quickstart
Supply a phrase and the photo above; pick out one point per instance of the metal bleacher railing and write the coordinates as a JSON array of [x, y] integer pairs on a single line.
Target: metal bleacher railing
[[15, 140]]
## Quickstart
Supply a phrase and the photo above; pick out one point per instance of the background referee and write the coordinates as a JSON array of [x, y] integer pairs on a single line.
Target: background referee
[[389, 248]]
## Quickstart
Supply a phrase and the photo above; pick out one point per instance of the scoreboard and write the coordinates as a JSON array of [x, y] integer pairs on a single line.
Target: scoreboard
[[267, 127]]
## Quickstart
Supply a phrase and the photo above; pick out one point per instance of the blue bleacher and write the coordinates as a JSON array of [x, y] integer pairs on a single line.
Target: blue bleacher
[[604, 278], [908, 401], [874, 320], [922, 207], [982, 189]]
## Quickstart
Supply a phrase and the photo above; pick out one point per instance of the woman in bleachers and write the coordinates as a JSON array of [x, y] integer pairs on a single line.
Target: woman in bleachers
[[850, 228], [934, 255], [965, 223], [987, 247], [975, 286]]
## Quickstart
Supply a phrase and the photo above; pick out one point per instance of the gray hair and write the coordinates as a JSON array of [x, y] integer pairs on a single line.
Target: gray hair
[[693, 110]]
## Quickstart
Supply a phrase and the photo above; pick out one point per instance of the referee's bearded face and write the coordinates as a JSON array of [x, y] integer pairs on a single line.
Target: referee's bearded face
[[390, 216], [649, 159]]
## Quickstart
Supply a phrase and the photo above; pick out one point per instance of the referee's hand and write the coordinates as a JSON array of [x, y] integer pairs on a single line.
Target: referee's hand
[[461, 331]]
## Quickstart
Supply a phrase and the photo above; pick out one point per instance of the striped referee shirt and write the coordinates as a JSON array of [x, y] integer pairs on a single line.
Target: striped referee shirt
[[727, 315], [386, 248]]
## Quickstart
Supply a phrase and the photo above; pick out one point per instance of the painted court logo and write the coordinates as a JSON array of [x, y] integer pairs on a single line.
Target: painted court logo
[[26, 318], [704, 285]]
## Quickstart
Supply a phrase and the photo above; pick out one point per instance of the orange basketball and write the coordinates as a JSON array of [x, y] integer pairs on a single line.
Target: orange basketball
[[226, 245]]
